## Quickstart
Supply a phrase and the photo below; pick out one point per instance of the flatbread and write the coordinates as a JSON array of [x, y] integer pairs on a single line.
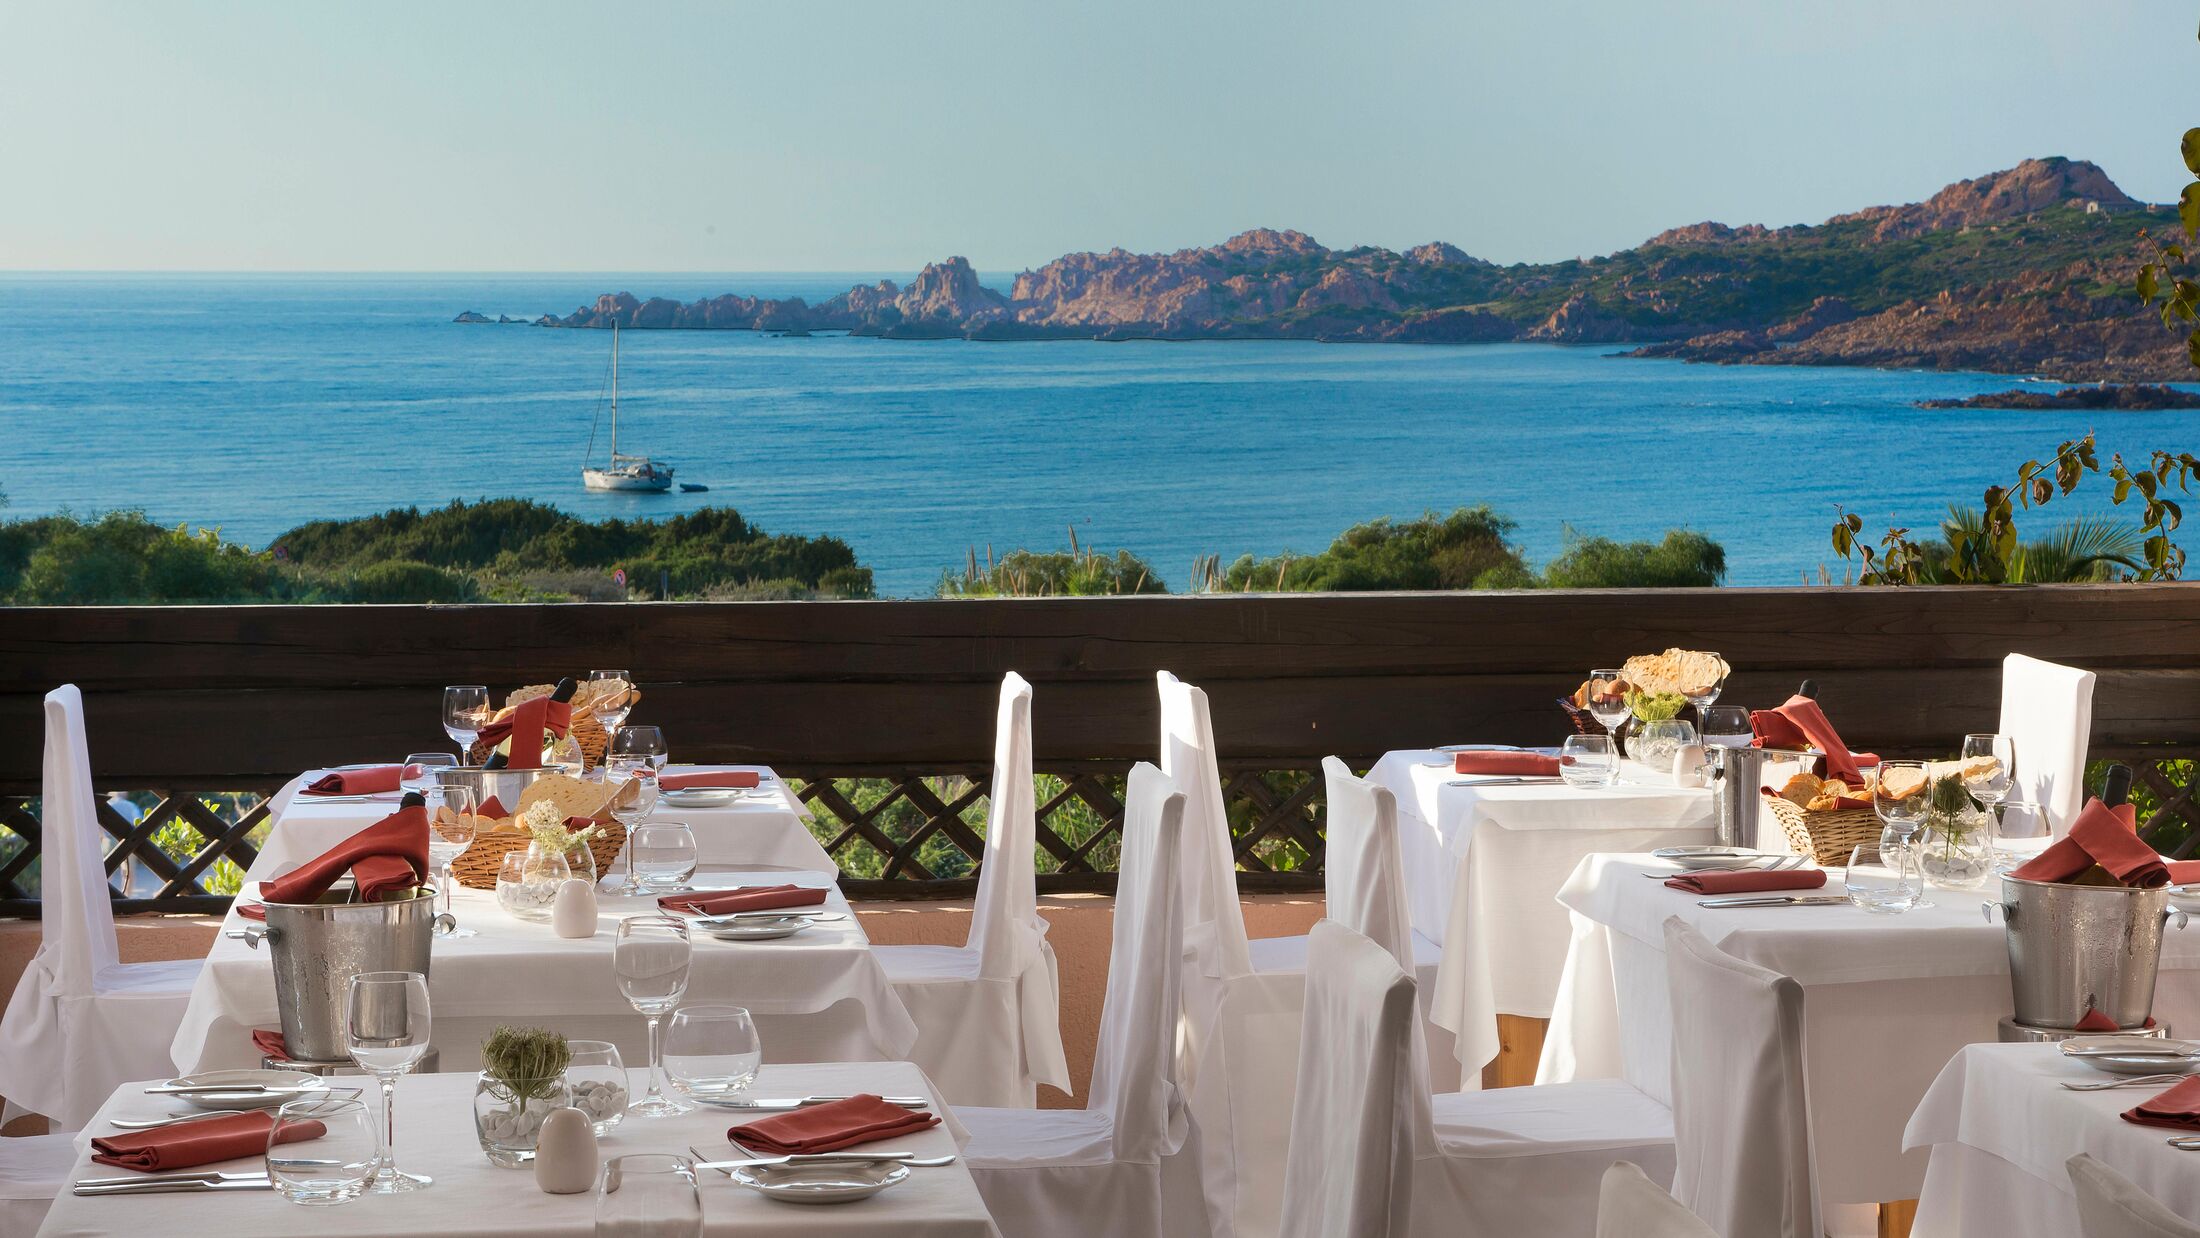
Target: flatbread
[[574, 797], [1686, 671]]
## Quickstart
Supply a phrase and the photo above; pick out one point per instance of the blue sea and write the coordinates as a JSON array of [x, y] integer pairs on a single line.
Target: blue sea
[[252, 403]]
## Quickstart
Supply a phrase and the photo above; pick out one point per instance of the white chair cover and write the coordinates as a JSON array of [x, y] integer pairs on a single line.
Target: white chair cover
[[1740, 1109], [1630, 1205], [2112, 1206], [1363, 878], [1097, 1171], [33, 1169], [1350, 1173], [81, 1023], [988, 1024], [2047, 713]]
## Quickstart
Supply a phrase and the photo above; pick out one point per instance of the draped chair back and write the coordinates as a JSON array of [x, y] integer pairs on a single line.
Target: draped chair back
[[1214, 925], [1134, 1063], [1349, 1171], [2047, 713]]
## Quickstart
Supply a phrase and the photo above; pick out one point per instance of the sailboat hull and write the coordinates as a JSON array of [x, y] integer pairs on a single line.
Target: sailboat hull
[[606, 479]]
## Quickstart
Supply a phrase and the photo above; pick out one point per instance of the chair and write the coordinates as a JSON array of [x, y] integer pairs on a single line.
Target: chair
[[1740, 1108], [1456, 1165], [1630, 1205], [988, 1027], [1097, 1170], [81, 1022], [2047, 713], [33, 1169], [2112, 1206]]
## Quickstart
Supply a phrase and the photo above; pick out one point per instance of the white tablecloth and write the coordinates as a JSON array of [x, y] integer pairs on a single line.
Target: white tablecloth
[[767, 828], [1888, 1000], [818, 996], [1999, 1128], [435, 1136], [1484, 862]]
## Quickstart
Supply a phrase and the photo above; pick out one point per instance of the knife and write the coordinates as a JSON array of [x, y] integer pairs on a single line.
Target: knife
[[208, 1089], [798, 1102], [165, 1185], [1775, 900], [828, 1158], [257, 1175]]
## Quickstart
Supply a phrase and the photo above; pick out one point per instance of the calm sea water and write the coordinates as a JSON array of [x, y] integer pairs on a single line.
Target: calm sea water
[[256, 402]]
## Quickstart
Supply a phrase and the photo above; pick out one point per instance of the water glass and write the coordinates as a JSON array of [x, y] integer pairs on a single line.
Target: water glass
[[453, 821], [421, 769], [642, 741], [465, 712], [1727, 726], [597, 1075], [611, 707], [1588, 761], [1885, 881], [662, 854], [1902, 813], [712, 1052], [2021, 831], [633, 797], [648, 1195], [333, 1167], [386, 1028], [650, 957], [1608, 699]]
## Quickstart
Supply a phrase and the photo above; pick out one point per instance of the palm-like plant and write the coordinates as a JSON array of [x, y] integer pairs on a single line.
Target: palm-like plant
[[2083, 548]]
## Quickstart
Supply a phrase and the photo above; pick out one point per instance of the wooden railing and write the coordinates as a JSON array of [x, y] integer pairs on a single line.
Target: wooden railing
[[882, 712]]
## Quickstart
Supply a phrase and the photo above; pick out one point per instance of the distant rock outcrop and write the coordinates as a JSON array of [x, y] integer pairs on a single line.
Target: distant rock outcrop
[[2033, 185], [2128, 397]]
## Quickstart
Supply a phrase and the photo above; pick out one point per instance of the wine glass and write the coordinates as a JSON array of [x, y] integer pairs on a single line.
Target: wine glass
[[712, 1052], [1702, 696], [421, 769], [1991, 784], [1884, 880], [641, 741], [648, 1195], [386, 1026], [2021, 831], [1727, 726], [465, 712], [662, 854], [332, 1166], [611, 708], [1588, 761], [1608, 699], [650, 957], [633, 798], [1901, 798], [453, 820]]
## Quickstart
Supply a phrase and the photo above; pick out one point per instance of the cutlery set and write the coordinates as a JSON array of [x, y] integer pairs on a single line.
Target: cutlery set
[[763, 1104]]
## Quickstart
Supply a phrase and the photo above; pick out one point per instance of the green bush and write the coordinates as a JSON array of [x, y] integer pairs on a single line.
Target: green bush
[[1433, 552], [404, 580], [1683, 559], [1075, 572]]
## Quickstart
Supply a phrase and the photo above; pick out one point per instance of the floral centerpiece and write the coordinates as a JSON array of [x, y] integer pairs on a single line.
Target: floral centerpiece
[[528, 883], [1955, 847], [522, 1082]]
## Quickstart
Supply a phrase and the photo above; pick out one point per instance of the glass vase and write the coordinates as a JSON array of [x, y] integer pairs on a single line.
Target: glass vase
[[1956, 850], [508, 1116], [528, 881], [1655, 743]]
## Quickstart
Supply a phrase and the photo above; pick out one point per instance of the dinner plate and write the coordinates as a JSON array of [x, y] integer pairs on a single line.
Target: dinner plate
[[246, 1100], [759, 930], [1694, 858], [702, 797], [2134, 1055], [2185, 899], [821, 1182]]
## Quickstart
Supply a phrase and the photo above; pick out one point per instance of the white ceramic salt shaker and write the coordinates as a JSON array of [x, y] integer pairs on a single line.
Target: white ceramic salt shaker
[[565, 1153], [573, 914], [1689, 766]]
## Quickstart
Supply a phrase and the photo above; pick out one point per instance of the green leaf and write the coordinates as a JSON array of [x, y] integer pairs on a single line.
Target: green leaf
[[2192, 348], [2190, 148], [2188, 209], [2149, 287]]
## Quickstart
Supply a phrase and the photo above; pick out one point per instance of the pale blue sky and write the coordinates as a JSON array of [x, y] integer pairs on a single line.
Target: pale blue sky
[[875, 136]]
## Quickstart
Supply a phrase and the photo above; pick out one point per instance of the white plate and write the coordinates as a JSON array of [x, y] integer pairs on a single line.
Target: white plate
[[246, 1100], [759, 930], [821, 1182], [2134, 1055], [702, 797], [2185, 899], [1694, 858]]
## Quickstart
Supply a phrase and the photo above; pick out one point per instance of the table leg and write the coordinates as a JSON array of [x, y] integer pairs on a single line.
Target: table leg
[[1520, 1045], [1896, 1218]]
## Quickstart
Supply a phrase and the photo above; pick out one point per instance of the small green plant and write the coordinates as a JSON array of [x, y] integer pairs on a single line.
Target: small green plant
[[525, 1063], [546, 827], [1655, 706]]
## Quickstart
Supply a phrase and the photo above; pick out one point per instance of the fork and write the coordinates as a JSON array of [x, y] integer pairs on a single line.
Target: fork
[[2135, 1081], [1780, 864]]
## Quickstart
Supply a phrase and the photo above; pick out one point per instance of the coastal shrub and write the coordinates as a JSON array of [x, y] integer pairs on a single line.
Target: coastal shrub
[[405, 580], [1433, 552], [1076, 572], [1681, 559], [123, 557]]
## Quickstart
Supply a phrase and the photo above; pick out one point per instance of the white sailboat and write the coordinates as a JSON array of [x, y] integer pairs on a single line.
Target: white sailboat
[[625, 472]]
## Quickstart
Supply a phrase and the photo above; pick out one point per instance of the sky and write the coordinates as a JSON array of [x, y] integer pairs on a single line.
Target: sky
[[859, 136]]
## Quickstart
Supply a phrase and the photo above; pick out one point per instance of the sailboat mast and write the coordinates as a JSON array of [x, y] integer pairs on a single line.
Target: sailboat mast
[[614, 393]]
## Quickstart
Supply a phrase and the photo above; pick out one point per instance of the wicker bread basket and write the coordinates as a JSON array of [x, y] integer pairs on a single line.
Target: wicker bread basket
[[476, 867], [594, 741], [1826, 837]]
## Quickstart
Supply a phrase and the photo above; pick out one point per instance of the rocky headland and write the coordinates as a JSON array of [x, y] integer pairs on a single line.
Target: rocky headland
[[2022, 271], [2128, 397]]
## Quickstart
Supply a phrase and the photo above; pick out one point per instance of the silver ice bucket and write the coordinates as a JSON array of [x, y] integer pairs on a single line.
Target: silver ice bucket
[[319, 947], [505, 784], [1736, 774], [2074, 948]]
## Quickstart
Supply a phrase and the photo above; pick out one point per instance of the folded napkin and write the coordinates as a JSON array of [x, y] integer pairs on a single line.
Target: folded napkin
[[253, 911], [1525, 764], [1747, 881], [370, 781], [2094, 1021], [2182, 872], [2105, 836], [2177, 1107], [493, 808], [203, 1142], [1801, 724], [748, 898], [529, 718], [830, 1127], [269, 1041], [387, 856], [710, 778]]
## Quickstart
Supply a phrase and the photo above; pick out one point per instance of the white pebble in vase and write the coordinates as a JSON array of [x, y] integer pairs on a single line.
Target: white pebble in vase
[[574, 912], [565, 1154]]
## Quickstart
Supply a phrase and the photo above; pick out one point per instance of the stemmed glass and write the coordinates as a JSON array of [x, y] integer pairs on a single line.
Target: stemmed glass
[[465, 712], [1608, 700], [712, 1052], [650, 957], [641, 741], [2025, 824], [648, 1195], [1726, 726], [1702, 697], [421, 769], [386, 1027], [1902, 814], [633, 798], [662, 854], [452, 824], [1991, 786], [611, 708], [1884, 880]]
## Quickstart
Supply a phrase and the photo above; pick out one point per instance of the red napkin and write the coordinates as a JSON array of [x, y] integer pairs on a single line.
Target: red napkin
[[388, 855], [370, 781], [2095, 1021], [529, 718], [1747, 881], [710, 778], [2178, 1107], [1528, 764], [748, 898], [1801, 724], [2105, 836], [198, 1143], [252, 911], [494, 808], [2182, 872], [831, 1126], [269, 1041]]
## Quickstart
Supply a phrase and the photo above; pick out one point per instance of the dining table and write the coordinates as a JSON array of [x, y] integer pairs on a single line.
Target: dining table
[[766, 826], [1484, 860], [819, 995], [1888, 1000], [2000, 1125], [435, 1136]]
